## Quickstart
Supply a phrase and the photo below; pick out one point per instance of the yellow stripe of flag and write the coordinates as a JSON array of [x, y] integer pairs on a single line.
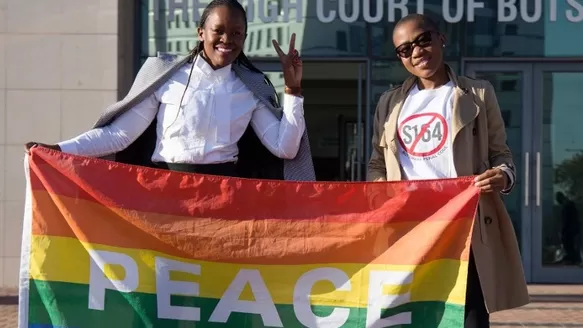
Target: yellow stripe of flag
[[441, 280]]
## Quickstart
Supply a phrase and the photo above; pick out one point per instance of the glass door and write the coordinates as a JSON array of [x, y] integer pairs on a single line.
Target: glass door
[[359, 165], [558, 174], [541, 106], [335, 99], [348, 149], [513, 86]]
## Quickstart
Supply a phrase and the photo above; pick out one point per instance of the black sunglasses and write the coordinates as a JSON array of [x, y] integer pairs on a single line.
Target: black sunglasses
[[423, 40]]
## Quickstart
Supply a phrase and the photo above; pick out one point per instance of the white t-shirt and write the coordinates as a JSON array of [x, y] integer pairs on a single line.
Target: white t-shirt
[[424, 134]]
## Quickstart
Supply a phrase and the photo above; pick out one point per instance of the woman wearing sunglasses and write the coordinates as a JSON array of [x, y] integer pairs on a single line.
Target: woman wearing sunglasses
[[438, 125]]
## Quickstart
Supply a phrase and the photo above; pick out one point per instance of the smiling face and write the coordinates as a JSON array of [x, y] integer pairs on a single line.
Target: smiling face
[[223, 36], [420, 49]]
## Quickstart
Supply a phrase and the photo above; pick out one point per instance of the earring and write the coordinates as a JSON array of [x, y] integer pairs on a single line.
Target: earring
[[443, 45]]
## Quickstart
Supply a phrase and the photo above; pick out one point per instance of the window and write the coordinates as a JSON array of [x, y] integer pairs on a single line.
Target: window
[[511, 29], [279, 6], [357, 39], [483, 25], [250, 42], [484, 37], [341, 43], [509, 85], [506, 116], [259, 39], [279, 34]]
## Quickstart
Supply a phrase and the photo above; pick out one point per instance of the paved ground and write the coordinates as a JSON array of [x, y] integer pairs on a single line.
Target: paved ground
[[552, 306]]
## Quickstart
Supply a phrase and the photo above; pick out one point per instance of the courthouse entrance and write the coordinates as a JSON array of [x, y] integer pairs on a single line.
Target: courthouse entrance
[[336, 100], [542, 107]]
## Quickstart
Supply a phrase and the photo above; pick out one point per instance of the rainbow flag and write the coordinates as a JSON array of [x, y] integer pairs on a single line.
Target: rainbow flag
[[111, 245]]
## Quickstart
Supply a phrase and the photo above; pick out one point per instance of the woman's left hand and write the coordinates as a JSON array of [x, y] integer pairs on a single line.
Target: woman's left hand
[[290, 63], [493, 180]]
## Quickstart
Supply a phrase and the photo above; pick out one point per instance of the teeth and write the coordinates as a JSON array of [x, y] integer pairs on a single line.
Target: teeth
[[224, 50]]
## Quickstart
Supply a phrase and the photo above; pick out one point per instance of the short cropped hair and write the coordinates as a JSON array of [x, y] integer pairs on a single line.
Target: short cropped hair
[[423, 20]]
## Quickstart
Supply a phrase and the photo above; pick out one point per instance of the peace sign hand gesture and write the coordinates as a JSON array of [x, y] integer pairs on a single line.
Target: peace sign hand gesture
[[290, 63]]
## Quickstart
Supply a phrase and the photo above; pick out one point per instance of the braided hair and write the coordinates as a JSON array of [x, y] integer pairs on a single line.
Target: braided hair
[[241, 59]]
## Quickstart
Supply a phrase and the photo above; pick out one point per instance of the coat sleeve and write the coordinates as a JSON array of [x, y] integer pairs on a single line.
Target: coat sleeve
[[377, 170], [498, 151]]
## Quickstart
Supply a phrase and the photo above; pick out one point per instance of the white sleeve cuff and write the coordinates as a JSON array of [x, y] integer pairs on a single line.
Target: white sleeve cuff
[[293, 104], [69, 147], [510, 174]]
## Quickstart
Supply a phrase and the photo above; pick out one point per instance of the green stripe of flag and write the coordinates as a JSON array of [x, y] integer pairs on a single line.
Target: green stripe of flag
[[65, 304]]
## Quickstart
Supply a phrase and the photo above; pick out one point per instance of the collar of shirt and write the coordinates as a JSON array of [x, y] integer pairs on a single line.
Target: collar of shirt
[[220, 75]]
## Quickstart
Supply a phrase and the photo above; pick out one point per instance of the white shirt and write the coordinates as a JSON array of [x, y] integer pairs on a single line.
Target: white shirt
[[216, 110], [424, 133]]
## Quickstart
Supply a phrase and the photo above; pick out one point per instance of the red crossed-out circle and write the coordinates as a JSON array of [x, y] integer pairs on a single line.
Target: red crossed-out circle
[[432, 117]]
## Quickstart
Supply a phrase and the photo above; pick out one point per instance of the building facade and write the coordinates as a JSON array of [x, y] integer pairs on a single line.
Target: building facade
[[60, 65]]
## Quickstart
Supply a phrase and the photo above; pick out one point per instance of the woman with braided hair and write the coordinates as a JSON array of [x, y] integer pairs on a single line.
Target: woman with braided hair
[[210, 112]]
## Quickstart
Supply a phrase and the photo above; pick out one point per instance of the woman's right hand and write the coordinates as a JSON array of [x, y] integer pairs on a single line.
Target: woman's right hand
[[33, 144]]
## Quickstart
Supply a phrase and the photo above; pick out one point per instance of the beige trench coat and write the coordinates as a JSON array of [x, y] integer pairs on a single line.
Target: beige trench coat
[[479, 143]]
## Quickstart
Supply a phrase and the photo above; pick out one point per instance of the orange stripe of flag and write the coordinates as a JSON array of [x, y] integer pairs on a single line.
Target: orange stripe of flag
[[251, 241]]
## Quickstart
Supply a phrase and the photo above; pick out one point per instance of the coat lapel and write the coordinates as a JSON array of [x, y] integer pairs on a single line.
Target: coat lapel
[[258, 85], [465, 109], [391, 124]]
